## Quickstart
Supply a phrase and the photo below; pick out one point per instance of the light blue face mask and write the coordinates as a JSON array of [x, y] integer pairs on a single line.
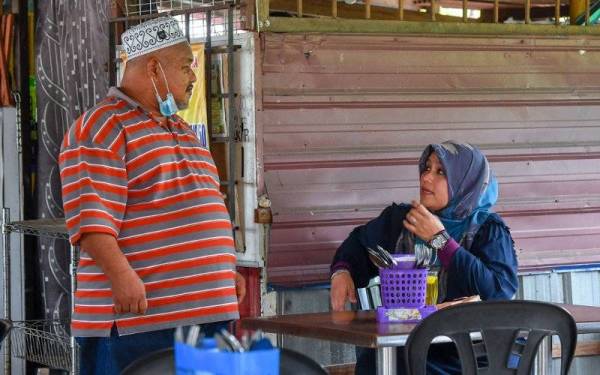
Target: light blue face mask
[[167, 107]]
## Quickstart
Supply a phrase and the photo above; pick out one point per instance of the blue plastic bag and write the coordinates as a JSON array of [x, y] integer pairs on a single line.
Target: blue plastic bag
[[198, 361]]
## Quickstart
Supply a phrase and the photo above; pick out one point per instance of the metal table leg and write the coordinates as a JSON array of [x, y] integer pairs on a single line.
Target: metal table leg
[[544, 357], [386, 360]]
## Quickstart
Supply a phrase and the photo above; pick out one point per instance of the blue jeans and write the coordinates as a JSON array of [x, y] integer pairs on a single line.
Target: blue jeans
[[442, 359], [111, 355]]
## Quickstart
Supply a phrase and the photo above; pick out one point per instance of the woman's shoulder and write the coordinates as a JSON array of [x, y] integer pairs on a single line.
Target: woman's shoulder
[[494, 225], [397, 209], [494, 219]]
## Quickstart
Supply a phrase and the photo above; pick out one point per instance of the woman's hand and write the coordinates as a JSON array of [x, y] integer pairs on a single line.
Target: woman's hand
[[342, 290], [422, 223]]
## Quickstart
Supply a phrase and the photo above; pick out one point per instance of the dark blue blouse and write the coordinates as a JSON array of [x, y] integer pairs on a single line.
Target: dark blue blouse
[[487, 269]]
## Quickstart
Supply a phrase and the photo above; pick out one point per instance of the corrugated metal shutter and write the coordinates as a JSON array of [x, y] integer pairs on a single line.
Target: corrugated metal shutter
[[342, 119]]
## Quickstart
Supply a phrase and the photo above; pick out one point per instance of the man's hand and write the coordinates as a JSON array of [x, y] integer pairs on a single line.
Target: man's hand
[[422, 223], [342, 290], [240, 287], [129, 292]]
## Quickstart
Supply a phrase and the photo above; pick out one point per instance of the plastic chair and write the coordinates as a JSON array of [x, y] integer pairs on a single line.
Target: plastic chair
[[162, 363], [294, 363], [511, 333], [5, 327]]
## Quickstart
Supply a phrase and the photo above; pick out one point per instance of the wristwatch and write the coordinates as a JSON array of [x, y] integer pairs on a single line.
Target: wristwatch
[[439, 240]]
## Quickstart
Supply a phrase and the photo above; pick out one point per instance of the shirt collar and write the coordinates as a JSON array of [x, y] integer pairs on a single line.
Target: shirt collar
[[117, 93]]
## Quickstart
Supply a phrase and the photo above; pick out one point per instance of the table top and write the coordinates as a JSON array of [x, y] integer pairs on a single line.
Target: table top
[[361, 327]]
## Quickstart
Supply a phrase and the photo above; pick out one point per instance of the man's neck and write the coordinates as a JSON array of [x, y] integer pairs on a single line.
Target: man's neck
[[148, 103]]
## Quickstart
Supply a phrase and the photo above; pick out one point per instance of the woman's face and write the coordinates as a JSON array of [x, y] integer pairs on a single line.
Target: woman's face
[[434, 185]]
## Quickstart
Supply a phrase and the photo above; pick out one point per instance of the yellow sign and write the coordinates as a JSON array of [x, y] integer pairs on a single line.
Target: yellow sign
[[195, 114]]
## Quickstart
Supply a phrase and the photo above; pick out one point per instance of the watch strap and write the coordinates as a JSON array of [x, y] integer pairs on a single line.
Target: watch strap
[[443, 235]]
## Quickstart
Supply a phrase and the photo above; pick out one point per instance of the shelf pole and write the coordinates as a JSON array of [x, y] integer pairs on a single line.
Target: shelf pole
[[6, 294]]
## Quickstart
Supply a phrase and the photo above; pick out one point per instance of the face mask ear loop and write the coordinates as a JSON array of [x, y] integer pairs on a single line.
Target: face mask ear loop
[[155, 89], [164, 76]]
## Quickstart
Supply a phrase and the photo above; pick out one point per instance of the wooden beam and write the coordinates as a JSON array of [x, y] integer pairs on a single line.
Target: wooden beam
[[583, 349], [487, 15], [587, 12], [343, 369], [247, 12], [496, 9], [401, 10], [329, 25], [262, 13], [346, 11], [576, 8]]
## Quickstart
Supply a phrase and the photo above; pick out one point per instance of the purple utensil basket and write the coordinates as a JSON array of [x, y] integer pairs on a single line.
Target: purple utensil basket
[[402, 287], [403, 291]]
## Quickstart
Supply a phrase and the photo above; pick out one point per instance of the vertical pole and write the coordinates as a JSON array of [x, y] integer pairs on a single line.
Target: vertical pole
[[367, 9], [112, 67], [208, 75], [73, 266], [6, 295], [231, 180], [496, 10], [465, 10], [299, 7], [334, 8], [262, 13], [527, 11], [401, 10], [587, 12], [557, 12], [386, 360], [576, 9], [187, 27]]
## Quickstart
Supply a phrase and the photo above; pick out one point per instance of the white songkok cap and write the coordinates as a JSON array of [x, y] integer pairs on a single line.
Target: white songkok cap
[[151, 36]]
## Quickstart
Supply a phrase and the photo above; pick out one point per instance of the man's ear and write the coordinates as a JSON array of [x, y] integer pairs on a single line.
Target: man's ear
[[152, 68]]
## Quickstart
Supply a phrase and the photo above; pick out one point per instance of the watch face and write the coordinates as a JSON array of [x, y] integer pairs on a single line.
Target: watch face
[[438, 241]]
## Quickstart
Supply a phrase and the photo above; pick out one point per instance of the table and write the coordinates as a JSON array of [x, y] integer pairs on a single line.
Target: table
[[361, 328]]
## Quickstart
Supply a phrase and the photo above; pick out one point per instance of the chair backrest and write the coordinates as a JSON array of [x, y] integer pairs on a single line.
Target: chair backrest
[[511, 333], [5, 327], [294, 363], [161, 362]]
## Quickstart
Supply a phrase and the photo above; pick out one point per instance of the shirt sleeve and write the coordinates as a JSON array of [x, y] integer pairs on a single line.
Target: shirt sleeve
[[94, 188], [488, 269], [352, 253]]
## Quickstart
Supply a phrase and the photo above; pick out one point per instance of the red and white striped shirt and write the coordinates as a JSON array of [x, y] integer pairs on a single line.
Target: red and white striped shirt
[[151, 185]]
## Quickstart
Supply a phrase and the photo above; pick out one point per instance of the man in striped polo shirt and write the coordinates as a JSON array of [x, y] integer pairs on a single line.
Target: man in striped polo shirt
[[141, 199]]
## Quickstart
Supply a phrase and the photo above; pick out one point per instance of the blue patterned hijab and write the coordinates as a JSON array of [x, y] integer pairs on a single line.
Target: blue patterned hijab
[[472, 188]]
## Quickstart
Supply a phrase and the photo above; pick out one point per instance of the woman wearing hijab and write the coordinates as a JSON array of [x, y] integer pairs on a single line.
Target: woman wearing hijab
[[471, 245]]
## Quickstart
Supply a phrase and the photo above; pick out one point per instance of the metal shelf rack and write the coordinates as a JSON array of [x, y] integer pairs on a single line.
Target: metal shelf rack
[[42, 341]]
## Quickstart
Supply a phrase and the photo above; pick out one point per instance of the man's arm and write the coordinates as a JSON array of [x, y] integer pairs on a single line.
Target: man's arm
[[129, 293]]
